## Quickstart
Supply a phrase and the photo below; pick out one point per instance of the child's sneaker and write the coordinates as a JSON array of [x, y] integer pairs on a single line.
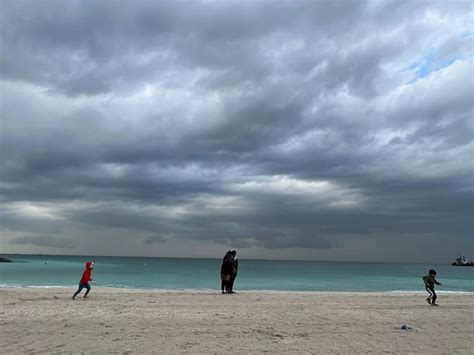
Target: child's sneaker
[[428, 300], [435, 304]]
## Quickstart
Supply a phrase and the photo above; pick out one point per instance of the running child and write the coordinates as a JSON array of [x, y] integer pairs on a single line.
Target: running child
[[85, 280], [430, 281]]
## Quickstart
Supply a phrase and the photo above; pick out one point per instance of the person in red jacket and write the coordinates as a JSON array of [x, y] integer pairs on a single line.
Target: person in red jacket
[[85, 280]]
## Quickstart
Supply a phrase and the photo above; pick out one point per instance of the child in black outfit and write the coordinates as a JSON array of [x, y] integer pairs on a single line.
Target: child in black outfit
[[430, 281]]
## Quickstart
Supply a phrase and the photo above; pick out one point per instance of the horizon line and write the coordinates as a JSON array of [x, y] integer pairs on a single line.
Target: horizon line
[[218, 258]]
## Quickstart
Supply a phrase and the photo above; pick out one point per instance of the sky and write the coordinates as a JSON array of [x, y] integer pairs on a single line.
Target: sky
[[318, 130]]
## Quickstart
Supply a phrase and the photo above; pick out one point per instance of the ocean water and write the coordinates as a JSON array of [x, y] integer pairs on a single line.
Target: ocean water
[[204, 274]]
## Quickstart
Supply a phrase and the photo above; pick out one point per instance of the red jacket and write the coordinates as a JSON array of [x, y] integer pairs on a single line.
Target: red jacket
[[87, 275]]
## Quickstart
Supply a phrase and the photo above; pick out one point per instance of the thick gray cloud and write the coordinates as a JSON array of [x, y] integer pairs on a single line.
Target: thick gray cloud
[[286, 129], [44, 241]]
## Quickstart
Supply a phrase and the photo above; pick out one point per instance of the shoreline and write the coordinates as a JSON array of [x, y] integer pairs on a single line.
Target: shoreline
[[135, 321], [207, 291]]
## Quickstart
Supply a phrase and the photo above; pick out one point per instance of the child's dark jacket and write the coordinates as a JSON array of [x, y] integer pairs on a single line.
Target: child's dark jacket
[[430, 281]]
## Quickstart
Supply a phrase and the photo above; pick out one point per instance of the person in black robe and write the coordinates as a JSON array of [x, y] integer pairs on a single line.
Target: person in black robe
[[235, 268], [226, 272]]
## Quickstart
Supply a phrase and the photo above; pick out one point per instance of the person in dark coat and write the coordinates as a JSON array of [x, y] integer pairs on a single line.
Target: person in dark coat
[[235, 268], [226, 272]]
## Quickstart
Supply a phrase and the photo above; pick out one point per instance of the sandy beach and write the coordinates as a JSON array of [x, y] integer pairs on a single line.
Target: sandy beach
[[133, 321]]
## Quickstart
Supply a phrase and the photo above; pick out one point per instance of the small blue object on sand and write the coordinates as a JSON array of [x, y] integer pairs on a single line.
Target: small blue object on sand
[[405, 327]]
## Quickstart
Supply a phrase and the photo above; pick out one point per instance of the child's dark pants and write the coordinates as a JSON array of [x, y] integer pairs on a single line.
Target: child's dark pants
[[81, 286], [432, 293]]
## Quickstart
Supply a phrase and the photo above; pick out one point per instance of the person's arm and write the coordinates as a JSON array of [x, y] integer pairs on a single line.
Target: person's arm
[[436, 282]]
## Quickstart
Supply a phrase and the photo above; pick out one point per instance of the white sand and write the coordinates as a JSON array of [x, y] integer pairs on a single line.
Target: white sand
[[48, 321]]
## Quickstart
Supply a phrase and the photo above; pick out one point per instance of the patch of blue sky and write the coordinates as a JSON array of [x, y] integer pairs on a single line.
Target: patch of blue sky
[[431, 66], [467, 34], [432, 62]]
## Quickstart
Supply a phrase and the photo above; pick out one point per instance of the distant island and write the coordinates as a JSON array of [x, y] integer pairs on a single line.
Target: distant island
[[5, 260]]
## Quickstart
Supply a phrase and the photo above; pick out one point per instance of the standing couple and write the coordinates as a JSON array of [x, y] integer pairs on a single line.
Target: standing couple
[[229, 268]]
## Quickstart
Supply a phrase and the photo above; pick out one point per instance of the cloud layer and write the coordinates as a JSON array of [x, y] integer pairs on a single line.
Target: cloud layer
[[326, 129]]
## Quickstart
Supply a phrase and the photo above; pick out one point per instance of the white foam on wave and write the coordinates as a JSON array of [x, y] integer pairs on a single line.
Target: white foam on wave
[[444, 292], [34, 286], [211, 290]]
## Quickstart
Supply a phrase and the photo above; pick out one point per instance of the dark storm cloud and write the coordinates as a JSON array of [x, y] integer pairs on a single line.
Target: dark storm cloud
[[252, 124], [155, 239], [45, 241], [100, 46]]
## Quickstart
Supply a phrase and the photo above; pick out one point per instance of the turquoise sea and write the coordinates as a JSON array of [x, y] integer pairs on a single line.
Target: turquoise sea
[[204, 274]]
